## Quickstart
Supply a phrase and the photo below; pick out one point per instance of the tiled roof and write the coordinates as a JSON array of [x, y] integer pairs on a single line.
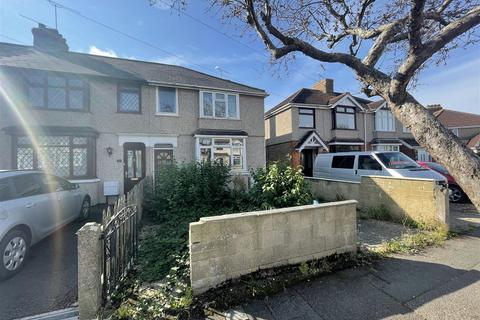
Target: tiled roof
[[375, 104], [451, 118], [220, 132], [315, 97], [385, 140], [28, 57]]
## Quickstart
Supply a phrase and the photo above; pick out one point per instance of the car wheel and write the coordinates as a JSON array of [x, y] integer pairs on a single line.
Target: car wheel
[[455, 194], [14, 249], [84, 209]]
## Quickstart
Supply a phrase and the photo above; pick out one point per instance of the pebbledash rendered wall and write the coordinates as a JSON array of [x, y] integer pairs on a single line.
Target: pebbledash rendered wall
[[228, 246], [419, 199]]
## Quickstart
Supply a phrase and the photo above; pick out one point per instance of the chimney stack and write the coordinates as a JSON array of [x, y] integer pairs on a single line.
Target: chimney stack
[[324, 85], [48, 39]]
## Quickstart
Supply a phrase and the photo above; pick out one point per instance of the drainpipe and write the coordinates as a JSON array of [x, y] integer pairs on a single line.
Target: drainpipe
[[365, 130]]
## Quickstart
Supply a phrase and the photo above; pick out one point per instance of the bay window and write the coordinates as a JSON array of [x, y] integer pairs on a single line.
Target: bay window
[[344, 118], [386, 147], [384, 121], [65, 156], [227, 151], [57, 92], [219, 105]]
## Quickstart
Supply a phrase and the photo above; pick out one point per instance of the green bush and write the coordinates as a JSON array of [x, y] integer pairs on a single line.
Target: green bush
[[185, 193], [279, 186]]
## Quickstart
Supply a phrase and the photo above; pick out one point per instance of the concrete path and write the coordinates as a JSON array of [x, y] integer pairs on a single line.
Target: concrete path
[[442, 283], [49, 279]]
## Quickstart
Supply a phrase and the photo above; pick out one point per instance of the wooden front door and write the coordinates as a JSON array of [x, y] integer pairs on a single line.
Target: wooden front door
[[133, 164]]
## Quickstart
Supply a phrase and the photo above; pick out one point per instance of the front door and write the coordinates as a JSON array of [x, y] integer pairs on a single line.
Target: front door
[[308, 158], [133, 163]]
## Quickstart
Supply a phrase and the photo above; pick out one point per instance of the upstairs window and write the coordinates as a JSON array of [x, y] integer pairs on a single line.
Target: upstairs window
[[344, 118], [128, 99], [219, 105], [57, 92], [306, 118], [167, 101], [384, 121]]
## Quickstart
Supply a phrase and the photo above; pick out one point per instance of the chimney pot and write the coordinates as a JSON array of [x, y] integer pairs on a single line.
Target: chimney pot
[[324, 85], [48, 39]]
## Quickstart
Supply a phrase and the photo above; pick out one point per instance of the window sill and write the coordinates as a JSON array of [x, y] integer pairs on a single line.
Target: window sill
[[166, 114], [216, 118], [126, 112], [80, 181], [345, 129]]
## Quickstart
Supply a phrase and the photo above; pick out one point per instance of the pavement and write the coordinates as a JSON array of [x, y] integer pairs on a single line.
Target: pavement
[[441, 283], [49, 279]]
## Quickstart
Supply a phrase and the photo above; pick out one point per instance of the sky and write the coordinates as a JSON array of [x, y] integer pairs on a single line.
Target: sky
[[198, 39]]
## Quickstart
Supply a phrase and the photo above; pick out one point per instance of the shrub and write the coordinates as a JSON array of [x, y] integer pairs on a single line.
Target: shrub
[[279, 186]]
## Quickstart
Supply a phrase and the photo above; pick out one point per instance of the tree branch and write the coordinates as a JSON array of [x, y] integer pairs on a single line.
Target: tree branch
[[415, 25], [444, 37]]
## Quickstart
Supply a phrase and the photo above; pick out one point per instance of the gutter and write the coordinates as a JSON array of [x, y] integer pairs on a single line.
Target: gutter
[[365, 131]]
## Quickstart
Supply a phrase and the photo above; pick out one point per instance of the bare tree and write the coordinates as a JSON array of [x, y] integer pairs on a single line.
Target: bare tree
[[407, 34]]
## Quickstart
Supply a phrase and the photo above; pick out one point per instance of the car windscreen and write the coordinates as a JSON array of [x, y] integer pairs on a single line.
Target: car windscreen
[[397, 160], [437, 167]]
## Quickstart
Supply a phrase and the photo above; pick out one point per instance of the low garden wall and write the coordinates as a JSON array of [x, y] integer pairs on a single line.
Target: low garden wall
[[225, 247], [422, 200]]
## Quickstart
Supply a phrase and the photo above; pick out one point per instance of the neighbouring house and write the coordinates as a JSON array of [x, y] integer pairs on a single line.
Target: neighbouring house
[[322, 120], [106, 123]]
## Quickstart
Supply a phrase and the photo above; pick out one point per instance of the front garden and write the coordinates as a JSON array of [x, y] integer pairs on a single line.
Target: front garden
[[159, 287]]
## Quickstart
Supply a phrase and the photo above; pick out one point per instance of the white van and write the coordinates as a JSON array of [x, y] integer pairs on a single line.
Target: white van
[[350, 166]]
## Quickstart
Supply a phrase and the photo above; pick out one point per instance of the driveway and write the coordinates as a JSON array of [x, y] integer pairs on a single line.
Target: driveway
[[49, 279]]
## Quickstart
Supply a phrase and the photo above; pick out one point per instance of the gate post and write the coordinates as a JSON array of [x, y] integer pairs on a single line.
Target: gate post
[[90, 255]]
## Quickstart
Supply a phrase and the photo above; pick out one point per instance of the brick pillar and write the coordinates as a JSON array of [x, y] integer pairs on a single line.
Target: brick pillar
[[89, 270], [295, 158]]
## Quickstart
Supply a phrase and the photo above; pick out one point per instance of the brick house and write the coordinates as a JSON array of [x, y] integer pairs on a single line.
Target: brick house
[[93, 119], [318, 119]]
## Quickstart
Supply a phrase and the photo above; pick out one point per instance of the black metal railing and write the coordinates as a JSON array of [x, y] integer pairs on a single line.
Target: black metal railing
[[120, 247]]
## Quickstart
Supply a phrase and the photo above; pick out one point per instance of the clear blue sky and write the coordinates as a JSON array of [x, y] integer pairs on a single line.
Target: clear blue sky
[[455, 86]]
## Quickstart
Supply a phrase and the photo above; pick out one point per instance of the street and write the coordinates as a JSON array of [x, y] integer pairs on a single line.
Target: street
[[49, 279]]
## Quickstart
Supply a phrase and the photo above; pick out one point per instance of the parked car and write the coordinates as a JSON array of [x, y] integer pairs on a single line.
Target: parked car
[[350, 166], [34, 204], [456, 193]]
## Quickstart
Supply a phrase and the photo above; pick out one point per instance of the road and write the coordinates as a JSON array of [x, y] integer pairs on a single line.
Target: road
[[49, 279]]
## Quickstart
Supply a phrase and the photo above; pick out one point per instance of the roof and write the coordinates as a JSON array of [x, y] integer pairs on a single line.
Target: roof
[[385, 141], [352, 140], [308, 135], [219, 132], [410, 141], [451, 118], [474, 143], [29, 57], [316, 97], [375, 105]]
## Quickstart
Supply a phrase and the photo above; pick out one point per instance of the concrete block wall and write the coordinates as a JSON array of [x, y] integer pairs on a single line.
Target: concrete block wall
[[226, 247], [422, 200]]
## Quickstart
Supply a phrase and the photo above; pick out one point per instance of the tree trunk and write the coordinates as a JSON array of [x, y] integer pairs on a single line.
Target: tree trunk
[[442, 145]]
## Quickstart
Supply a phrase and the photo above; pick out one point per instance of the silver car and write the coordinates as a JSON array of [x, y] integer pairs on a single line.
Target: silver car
[[34, 204]]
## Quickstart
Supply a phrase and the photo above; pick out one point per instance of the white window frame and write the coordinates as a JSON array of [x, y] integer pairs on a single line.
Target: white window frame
[[386, 147], [454, 131], [237, 96], [387, 116], [157, 101], [244, 150], [406, 130]]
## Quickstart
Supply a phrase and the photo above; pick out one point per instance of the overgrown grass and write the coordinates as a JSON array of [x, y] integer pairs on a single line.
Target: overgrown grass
[[414, 243]]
